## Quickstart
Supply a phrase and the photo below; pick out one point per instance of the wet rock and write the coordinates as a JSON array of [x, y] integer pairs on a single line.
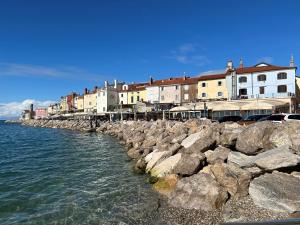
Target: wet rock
[[140, 166], [277, 191], [166, 184], [200, 191]]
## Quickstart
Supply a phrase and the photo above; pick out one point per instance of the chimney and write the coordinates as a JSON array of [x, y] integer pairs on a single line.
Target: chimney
[[151, 80], [229, 65], [95, 89], [241, 63], [116, 83], [292, 62], [184, 78], [31, 107], [85, 91]]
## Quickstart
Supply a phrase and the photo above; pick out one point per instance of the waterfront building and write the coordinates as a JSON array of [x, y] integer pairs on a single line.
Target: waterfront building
[[71, 102], [152, 92], [123, 95], [41, 113], [212, 87], [108, 97], [189, 90], [137, 93], [63, 104], [90, 100], [53, 109], [262, 80], [79, 103]]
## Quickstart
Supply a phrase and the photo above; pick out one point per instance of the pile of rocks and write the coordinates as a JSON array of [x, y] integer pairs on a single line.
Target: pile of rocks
[[201, 165], [81, 125]]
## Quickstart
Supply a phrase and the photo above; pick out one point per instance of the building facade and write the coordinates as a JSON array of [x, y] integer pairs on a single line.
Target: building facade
[[90, 101], [79, 103], [41, 113], [212, 87], [189, 90], [262, 81]]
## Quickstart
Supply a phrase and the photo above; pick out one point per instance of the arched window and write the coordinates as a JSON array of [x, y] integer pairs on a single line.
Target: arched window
[[261, 77], [243, 80], [281, 76]]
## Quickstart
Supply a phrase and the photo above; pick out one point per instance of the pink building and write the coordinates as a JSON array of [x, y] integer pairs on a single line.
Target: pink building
[[41, 113]]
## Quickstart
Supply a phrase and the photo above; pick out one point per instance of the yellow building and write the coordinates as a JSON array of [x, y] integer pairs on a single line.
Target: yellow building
[[63, 105], [136, 93], [212, 87], [90, 102], [79, 103]]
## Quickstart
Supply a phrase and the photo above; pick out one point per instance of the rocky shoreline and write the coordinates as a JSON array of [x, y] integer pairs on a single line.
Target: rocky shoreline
[[209, 172]]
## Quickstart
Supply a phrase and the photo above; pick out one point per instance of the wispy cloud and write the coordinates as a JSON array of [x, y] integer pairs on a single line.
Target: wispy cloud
[[14, 109], [190, 53], [29, 70], [266, 59]]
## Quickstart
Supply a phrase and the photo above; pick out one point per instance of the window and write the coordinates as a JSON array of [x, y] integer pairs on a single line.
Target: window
[[243, 80], [122, 95], [90, 103], [176, 87], [162, 98], [162, 88], [281, 76], [261, 90], [261, 77], [138, 98], [103, 93], [220, 94], [186, 96], [219, 83], [176, 97], [103, 109], [186, 87], [121, 102], [281, 88], [243, 91], [203, 95], [294, 117], [203, 84], [131, 99]]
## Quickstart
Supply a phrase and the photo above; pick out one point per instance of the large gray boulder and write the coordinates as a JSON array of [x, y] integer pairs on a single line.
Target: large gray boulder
[[255, 138], [200, 191], [241, 159], [277, 158], [229, 136], [155, 157], [220, 154], [234, 179], [201, 141], [189, 164], [277, 191]]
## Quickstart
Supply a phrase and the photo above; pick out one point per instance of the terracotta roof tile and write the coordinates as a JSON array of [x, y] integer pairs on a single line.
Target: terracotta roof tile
[[255, 69]]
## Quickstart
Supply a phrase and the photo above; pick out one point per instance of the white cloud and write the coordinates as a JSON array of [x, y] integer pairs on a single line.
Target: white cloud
[[14, 109], [28, 70], [190, 53]]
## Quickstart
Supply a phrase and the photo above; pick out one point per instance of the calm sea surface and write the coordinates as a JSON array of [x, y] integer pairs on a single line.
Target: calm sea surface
[[53, 176]]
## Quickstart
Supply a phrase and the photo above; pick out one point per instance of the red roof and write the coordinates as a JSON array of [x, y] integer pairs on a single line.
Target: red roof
[[255, 69], [213, 76]]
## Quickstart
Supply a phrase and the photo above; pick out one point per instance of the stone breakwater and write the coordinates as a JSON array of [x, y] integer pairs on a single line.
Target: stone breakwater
[[206, 166]]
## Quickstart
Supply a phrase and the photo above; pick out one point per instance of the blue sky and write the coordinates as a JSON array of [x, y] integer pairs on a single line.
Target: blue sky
[[49, 48]]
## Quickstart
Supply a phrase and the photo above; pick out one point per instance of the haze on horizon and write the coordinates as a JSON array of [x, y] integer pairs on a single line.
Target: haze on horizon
[[51, 48]]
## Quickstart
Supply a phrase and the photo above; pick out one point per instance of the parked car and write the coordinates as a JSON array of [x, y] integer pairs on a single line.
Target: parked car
[[252, 119], [278, 118], [229, 119]]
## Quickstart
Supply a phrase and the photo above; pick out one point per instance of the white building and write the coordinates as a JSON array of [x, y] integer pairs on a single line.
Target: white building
[[123, 95], [261, 81], [108, 97]]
